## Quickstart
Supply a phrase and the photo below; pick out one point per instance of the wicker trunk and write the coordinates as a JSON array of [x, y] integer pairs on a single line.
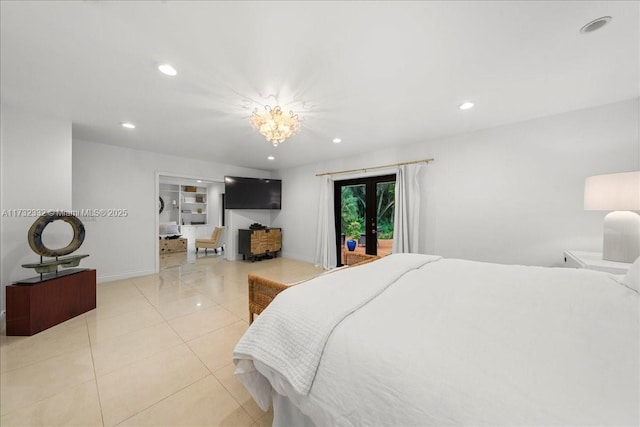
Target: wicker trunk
[[262, 290]]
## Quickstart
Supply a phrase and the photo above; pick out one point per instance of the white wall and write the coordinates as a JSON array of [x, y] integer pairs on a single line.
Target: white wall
[[241, 218], [36, 174], [214, 193], [298, 217], [170, 211], [512, 194], [109, 177]]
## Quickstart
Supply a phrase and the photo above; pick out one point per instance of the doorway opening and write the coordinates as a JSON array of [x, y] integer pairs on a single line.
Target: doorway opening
[[188, 208], [364, 212]]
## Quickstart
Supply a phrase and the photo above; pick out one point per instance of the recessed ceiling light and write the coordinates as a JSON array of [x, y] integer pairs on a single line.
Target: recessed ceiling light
[[337, 140], [271, 158], [596, 24], [128, 125], [198, 181], [167, 69], [465, 105]]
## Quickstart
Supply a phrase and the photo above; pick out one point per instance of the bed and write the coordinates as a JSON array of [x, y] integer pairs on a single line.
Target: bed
[[418, 340], [263, 290]]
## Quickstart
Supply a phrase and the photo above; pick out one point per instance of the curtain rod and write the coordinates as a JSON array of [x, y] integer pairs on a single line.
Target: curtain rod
[[376, 167]]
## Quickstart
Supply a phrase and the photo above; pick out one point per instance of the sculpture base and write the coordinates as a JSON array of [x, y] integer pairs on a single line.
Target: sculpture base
[[48, 276]]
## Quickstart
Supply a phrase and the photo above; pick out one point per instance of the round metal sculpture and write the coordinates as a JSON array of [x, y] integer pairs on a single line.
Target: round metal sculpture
[[161, 205], [35, 235]]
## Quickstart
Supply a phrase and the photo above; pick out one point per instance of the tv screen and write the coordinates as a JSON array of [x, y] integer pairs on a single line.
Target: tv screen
[[252, 193]]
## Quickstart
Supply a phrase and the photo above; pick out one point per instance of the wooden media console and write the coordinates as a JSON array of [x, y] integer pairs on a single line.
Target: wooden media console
[[32, 308]]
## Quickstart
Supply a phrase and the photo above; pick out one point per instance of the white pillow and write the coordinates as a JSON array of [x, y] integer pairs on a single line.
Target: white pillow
[[632, 279], [169, 228], [172, 229]]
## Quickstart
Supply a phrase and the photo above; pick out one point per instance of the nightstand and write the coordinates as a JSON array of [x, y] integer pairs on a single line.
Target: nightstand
[[594, 261]]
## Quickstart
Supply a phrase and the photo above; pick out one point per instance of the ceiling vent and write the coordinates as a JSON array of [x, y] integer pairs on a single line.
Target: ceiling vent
[[596, 24]]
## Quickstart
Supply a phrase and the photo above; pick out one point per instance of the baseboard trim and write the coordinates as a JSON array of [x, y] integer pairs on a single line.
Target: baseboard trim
[[297, 257], [126, 275]]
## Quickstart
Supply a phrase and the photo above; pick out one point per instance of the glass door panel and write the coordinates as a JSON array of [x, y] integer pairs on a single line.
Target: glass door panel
[[385, 210], [364, 207], [352, 218]]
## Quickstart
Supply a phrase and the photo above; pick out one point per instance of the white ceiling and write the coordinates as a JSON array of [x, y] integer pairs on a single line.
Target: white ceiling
[[375, 74]]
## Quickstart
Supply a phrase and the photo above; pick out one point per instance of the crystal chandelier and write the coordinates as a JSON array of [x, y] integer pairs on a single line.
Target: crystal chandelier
[[274, 125]]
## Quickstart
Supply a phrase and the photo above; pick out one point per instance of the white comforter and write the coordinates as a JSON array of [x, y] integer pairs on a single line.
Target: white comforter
[[452, 342]]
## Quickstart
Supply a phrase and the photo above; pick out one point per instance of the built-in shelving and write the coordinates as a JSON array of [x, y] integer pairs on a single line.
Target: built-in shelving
[[194, 205], [186, 205]]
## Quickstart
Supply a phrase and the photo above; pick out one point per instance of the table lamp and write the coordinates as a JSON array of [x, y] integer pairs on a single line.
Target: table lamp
[[619, 193]]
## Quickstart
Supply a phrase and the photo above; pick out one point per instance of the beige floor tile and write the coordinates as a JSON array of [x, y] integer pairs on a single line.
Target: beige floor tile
[[169, 294], [113, 353], [194, 275], [103, 328], [172, 260], [199, 323], [204, 403], [6, 341], [114, 306], [215, 349], [74, 406], [155, 281], [24, 386], [226, 376], [231, 292], [49, 379], [164, 281], [80, 319], [152, 284], [190, 258], [212, 284], [17, 352], [266, 420], [226, 296], [119, 289], [238, 306], [136, 387], [173, 309]]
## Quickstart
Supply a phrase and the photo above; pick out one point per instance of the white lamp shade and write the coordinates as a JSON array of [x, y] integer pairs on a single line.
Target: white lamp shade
[[612, 192]]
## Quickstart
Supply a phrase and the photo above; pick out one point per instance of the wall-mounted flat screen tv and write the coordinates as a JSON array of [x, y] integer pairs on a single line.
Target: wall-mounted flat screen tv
[[252, 193]]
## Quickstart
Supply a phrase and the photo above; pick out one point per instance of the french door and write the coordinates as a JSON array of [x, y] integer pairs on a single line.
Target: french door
[[364, 210]]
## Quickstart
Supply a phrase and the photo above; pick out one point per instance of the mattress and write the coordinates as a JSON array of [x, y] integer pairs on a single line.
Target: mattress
[[419, 340]]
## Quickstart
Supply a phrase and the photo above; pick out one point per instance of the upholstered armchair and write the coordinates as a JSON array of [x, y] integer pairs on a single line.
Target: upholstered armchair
[[212, 243]]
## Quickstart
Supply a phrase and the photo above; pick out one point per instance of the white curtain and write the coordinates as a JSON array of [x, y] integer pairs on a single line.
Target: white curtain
[[406, 223], [326, 237]]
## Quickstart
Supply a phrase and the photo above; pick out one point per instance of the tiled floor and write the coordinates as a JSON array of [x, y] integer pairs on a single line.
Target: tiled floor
[[155, 352]]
